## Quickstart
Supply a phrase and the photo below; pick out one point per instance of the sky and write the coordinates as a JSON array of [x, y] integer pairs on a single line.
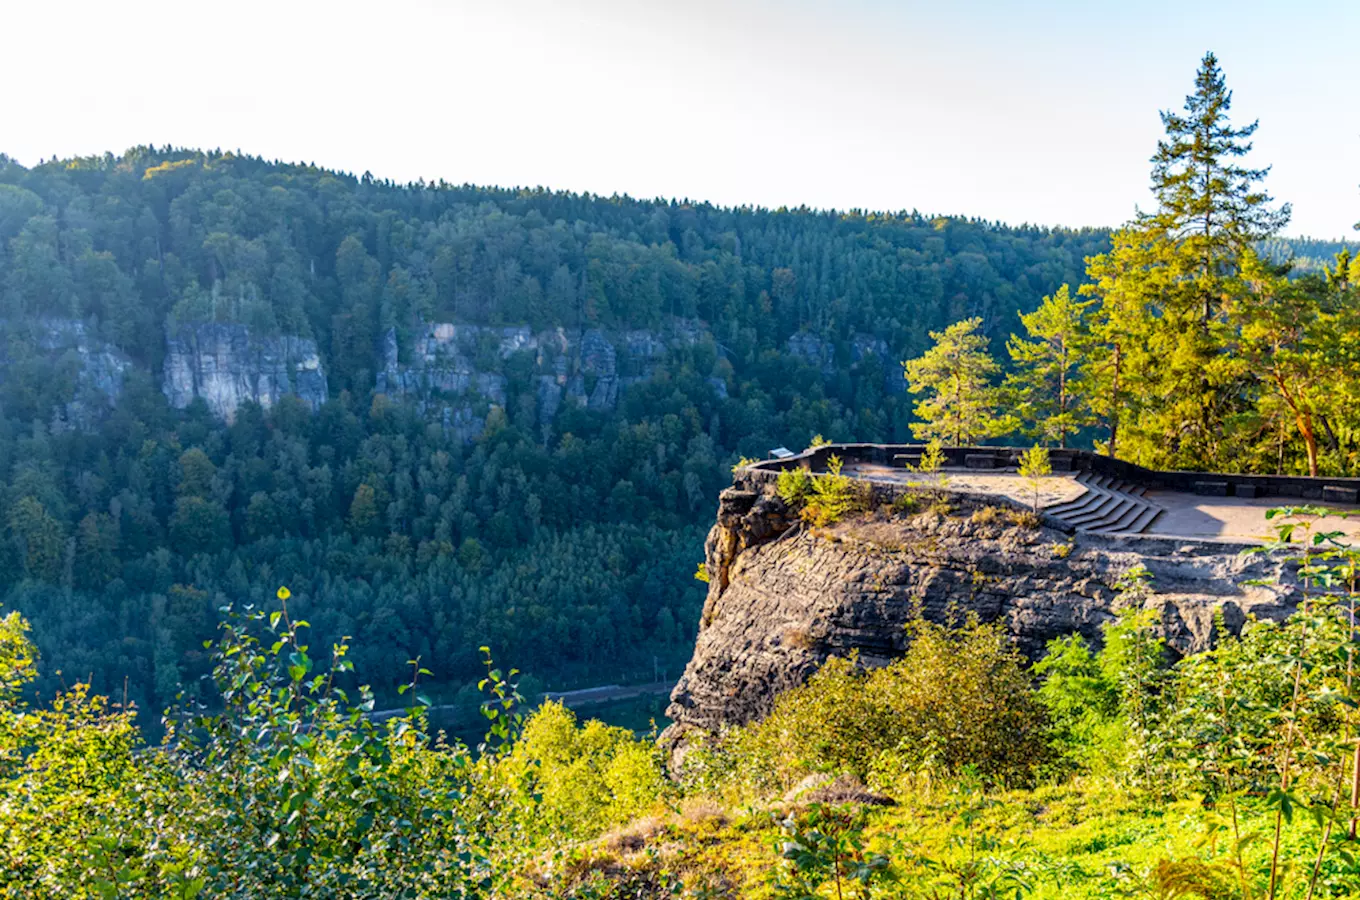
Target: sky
[[1020, 112]]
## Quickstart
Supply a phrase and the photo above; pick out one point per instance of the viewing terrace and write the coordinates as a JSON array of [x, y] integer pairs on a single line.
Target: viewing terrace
[[1092, 493]]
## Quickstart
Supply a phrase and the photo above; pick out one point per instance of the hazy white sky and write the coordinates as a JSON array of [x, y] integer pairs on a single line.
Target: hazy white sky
[[1042, 112]]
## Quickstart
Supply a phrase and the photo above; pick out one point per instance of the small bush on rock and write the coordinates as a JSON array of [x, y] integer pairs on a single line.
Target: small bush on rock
[[959, 697], [794, 486]]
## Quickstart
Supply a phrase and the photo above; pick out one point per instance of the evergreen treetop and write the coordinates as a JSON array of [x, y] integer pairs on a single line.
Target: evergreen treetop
[[1205, 197]]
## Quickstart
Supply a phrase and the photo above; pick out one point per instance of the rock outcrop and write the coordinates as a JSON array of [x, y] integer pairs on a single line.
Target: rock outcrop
[[457, 369], [821, 353], [226, 365], [96, 369], [784, 597]]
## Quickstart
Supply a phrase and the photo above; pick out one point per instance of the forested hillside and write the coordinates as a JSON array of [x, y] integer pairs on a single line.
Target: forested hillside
[[565, 538]]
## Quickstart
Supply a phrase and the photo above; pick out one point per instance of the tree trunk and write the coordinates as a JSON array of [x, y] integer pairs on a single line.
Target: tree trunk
[[1304, 419], [1114, 403], [1332, 443], [1309, 441], [1062, 399]]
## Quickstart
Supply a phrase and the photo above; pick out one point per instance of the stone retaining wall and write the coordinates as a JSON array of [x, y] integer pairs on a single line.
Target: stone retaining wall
[[1322, 489]]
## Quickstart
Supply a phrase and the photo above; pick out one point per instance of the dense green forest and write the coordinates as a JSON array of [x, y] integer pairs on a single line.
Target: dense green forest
[[144, 546], [567, 548]]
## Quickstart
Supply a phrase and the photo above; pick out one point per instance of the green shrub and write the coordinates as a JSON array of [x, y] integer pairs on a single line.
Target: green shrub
[[833, 496], [1035, 466], [959, 697], [1083, 707], [590, 777], [931, 467], [963, 697], [743, 462], [794, 486], [906, 504], [825, 499]]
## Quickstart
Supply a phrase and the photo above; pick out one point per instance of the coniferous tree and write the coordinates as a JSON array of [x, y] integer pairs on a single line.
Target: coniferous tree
[[1287, 339], [1117, 362], [956, 375], [1209, 204], [1185, 260], [1046, 384]]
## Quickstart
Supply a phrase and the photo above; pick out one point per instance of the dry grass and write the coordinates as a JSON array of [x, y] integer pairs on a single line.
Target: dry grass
[[940, 507], [697, 812], [633, 837], [1025, 518], [799, 637], [986, 515], [840, 791]]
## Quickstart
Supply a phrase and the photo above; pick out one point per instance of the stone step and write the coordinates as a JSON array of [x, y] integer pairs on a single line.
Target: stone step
[[1085, 501], [1146, 516], [1108, 505], [1111, 505], [1094, 521], [1125, 520], [1144, 522]]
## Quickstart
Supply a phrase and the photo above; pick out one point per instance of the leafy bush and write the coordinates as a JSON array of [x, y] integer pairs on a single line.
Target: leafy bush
[[590, 777], [906, 504], [291, 789], [1034, 467], [743, 462], [1083, 706], [833, 496], [794, 486], [825, 499], [960, 697], [1107, 707]]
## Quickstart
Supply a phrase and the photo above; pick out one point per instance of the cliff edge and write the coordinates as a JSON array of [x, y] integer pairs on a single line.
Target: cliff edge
[[784, 596]]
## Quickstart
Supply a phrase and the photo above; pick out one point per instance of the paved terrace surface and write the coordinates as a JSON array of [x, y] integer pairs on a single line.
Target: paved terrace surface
[[1091, 503]]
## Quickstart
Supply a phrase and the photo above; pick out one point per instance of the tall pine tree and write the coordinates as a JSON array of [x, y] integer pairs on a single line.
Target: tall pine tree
[[1183, 263], [1209, 204], [961, 403], [1046, 386]]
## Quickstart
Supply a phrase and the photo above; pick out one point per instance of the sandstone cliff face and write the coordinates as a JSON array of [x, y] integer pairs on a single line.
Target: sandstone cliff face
[[226, 365], [784, 597], [821, 353], [453, 366], [97, 369]]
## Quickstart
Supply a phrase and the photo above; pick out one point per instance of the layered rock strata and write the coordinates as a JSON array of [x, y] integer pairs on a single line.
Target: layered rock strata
[[451, 366], [784, 597], [226, 366]]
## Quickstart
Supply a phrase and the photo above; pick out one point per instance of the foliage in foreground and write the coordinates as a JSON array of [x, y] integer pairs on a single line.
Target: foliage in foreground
[[291, 789], [950, 773], [960, 699]]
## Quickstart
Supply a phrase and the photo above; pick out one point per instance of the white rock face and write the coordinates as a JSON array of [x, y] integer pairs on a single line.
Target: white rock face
[[452, 362], [226, 366]]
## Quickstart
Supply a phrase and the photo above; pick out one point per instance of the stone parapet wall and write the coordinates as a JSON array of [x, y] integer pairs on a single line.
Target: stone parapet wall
[[1299, 487]]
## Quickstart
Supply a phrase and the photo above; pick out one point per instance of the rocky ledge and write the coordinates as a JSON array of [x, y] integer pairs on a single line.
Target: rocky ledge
[[783, 597]]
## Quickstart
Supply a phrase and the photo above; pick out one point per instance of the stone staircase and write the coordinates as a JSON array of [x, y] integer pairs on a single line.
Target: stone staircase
[[1108, 506]]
